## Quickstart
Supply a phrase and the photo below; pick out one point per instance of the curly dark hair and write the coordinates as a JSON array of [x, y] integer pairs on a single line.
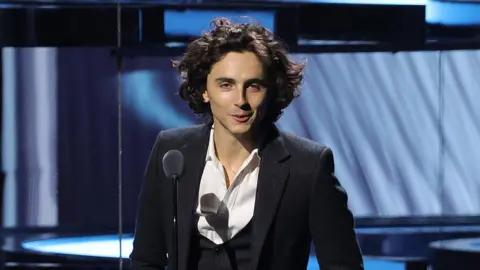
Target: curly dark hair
[[284, 76]]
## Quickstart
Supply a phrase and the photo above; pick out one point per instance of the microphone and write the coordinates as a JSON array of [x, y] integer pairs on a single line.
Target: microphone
[[173, 165]]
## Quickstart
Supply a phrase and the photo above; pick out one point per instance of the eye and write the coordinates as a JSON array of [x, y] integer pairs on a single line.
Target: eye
[[255, 87], [226, 85]]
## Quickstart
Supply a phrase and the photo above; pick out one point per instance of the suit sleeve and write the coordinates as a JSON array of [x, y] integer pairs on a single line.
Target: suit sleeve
[[149, 251], [331, 221]]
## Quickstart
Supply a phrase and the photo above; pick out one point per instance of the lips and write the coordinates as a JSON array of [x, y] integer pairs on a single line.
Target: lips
[[242, 118]]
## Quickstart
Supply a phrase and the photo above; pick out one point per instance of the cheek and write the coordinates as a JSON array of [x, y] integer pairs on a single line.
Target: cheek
[[218, 105]]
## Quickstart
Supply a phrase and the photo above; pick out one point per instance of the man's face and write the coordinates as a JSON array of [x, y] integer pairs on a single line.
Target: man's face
[[236, 91]]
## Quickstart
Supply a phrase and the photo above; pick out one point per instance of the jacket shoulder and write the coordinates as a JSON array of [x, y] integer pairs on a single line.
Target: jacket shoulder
[[300, 145], [179, 134], [176, 137]]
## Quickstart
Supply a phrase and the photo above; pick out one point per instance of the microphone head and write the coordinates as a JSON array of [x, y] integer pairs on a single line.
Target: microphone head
[[173, 164]]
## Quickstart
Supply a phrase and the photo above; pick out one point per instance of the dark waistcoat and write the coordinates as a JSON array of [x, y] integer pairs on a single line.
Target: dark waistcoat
[[231, 255]]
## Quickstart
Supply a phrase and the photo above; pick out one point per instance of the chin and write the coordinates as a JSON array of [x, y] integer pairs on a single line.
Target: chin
[[240, 130], [236, 128]]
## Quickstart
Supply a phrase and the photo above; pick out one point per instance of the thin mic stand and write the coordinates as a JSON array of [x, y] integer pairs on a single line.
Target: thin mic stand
[[175, 179], [173, 163]]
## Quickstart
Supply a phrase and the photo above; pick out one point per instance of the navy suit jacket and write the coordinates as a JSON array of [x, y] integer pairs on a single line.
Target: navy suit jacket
[[298, 200]]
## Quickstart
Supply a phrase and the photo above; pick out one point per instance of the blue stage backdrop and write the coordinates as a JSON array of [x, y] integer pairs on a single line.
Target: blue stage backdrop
[[403, 127]]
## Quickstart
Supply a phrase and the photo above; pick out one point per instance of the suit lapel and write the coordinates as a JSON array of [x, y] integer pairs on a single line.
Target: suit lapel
[[194, 152], [272, 179]]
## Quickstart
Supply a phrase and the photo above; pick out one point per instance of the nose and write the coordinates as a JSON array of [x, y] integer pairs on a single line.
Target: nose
[[241, 99]]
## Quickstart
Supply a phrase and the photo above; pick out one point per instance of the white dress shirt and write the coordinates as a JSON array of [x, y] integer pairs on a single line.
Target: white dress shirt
[[224, 212]]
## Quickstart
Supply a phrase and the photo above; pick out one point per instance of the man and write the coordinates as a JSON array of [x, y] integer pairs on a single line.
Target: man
[[251, 197]]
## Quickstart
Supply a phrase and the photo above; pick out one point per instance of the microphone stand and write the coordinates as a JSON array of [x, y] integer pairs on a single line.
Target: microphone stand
[[173, 167], [175, 179]]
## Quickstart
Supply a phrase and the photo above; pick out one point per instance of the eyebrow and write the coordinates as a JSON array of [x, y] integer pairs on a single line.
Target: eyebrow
[[249, 81], [225, 79]]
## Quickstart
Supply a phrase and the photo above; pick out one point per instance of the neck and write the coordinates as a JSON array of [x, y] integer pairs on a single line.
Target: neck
[[233, 150]]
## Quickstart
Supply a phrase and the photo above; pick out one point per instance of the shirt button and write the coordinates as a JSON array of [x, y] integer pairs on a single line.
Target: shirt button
[[217, 249]]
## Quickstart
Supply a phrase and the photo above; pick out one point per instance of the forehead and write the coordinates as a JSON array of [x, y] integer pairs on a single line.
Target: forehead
[[238, 66]]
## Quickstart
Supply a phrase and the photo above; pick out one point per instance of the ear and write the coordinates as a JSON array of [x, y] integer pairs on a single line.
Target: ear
[[206, 99]]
